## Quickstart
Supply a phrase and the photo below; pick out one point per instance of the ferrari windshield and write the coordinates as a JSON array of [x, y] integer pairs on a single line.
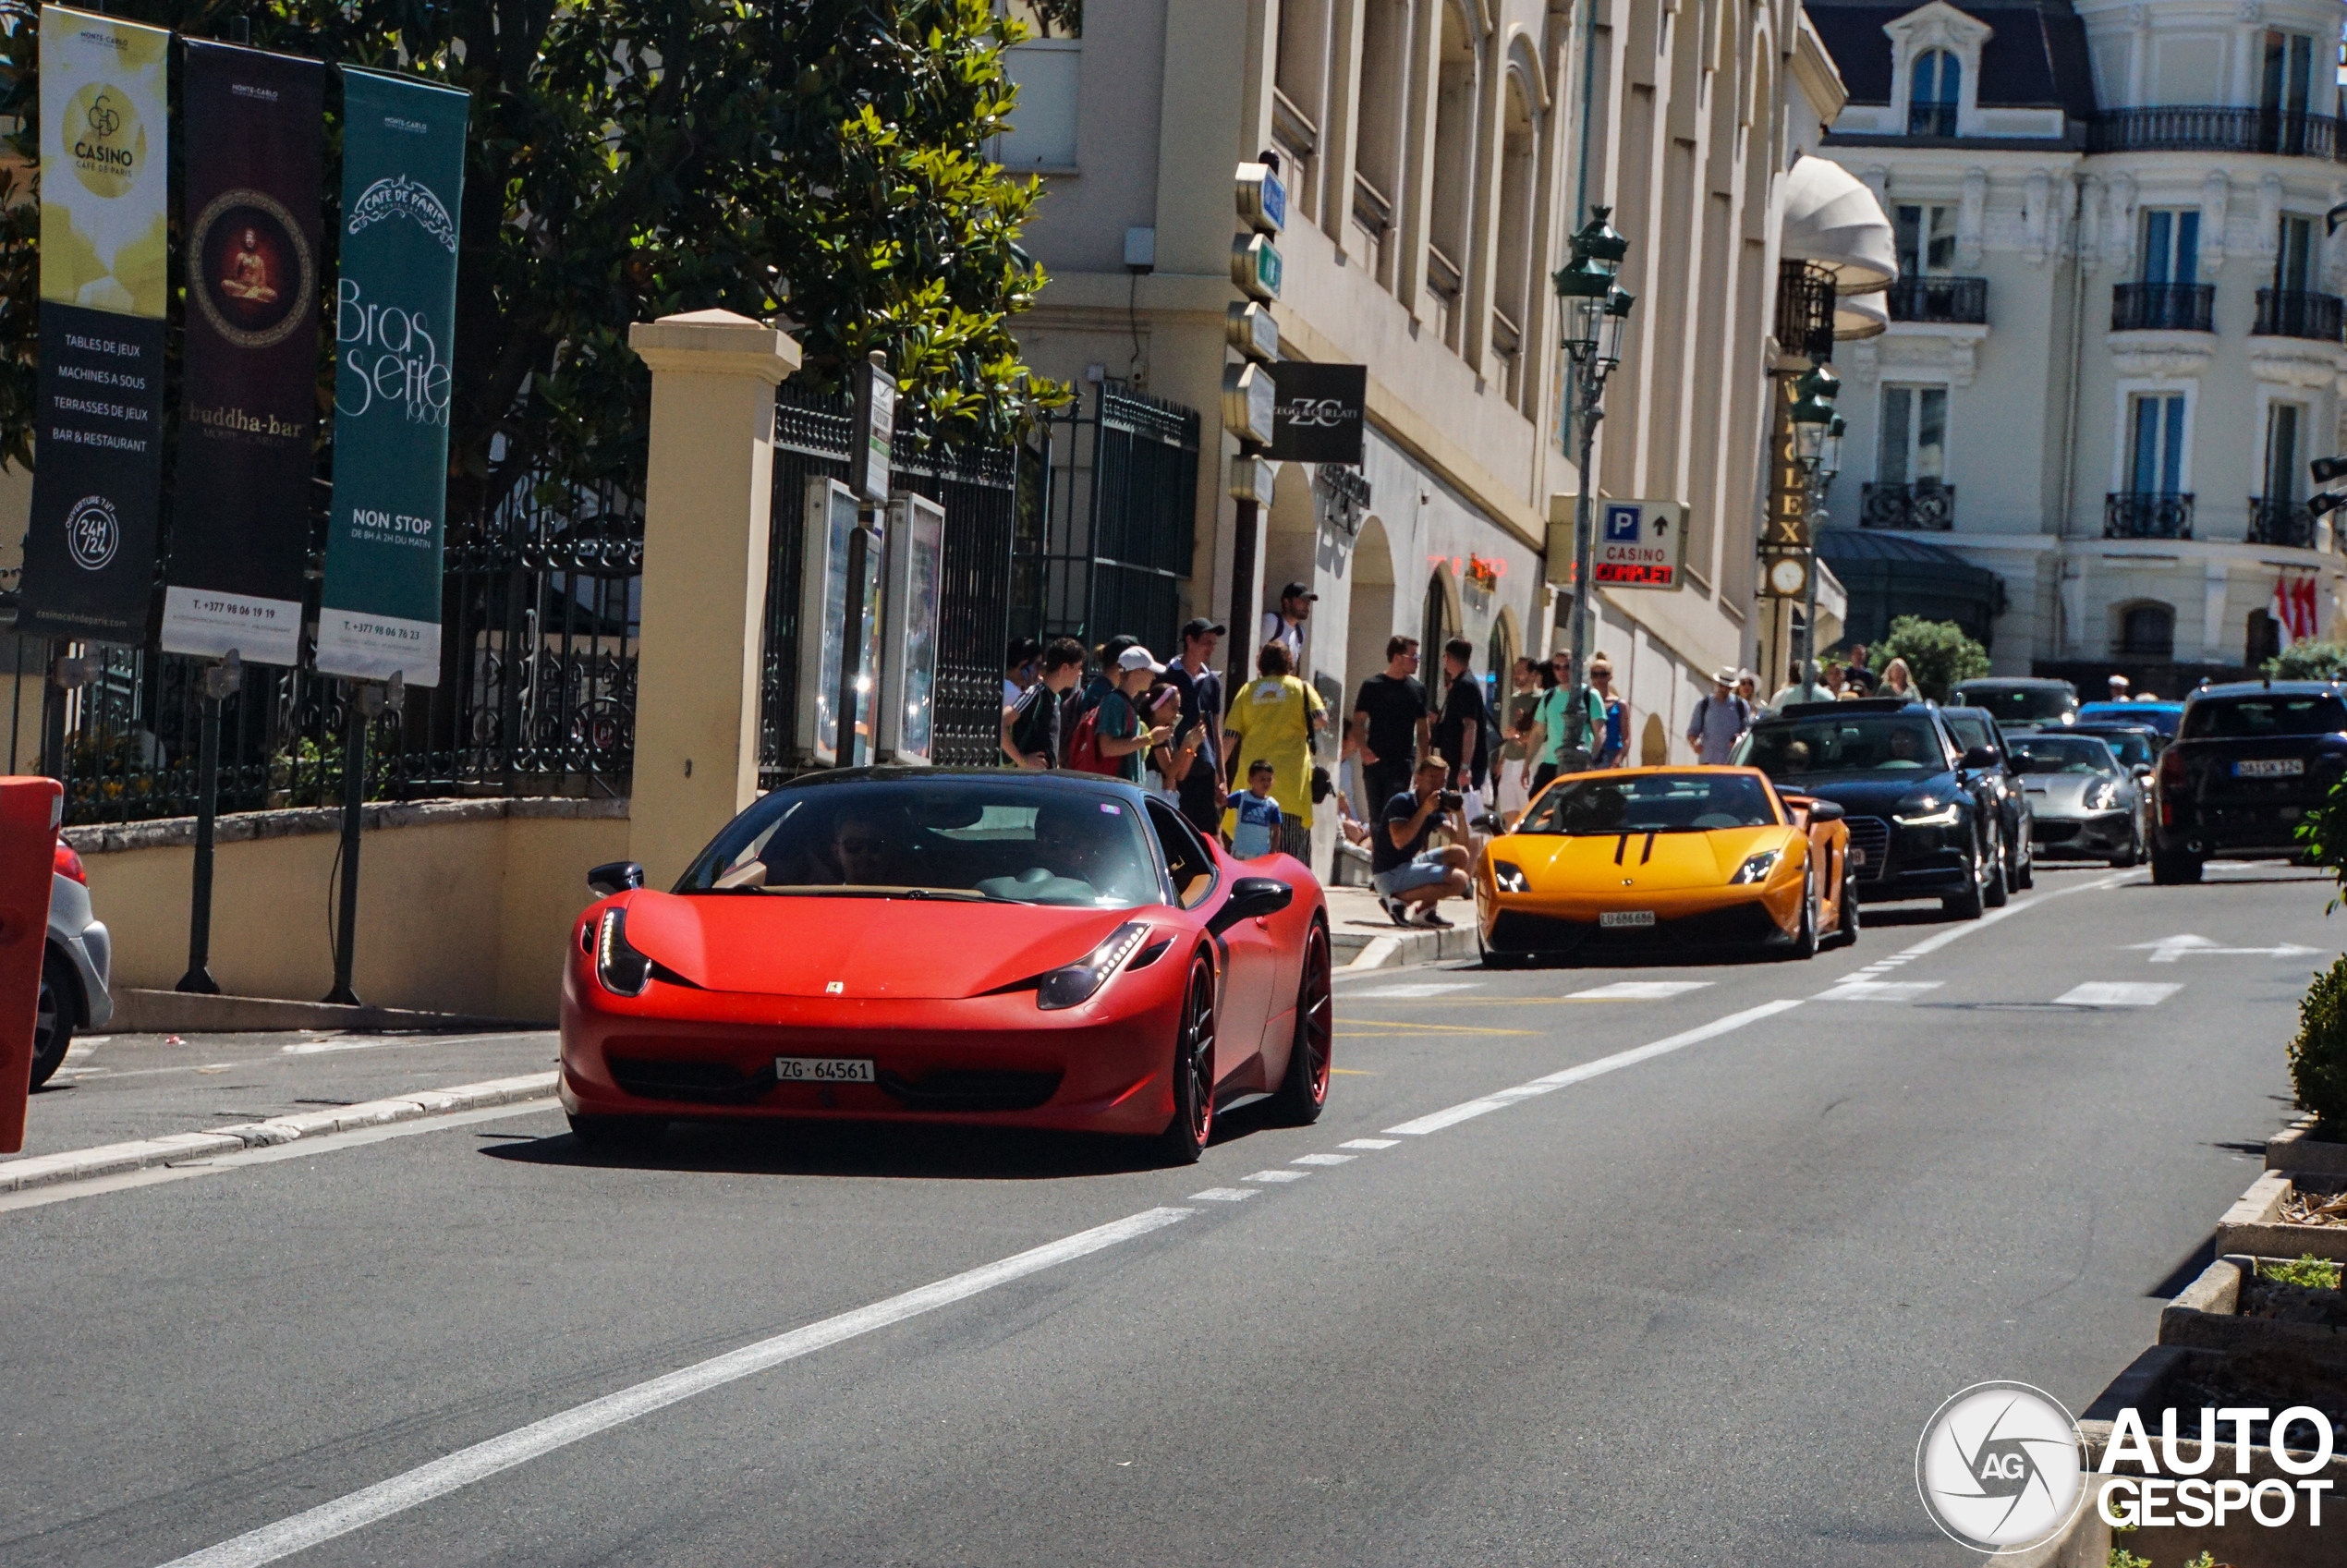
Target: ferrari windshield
[[936, 838], [2135, 747], [1855, 743], [2062, 754], [1651, 803]]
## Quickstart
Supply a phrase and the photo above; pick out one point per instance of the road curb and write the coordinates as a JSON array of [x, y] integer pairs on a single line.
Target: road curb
[[1402, 950], [185, 1013], [116, 1158]]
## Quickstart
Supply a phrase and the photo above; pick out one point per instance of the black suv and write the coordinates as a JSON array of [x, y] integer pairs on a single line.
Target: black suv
[[1922, 809], [2248, 761], [1975, 729]]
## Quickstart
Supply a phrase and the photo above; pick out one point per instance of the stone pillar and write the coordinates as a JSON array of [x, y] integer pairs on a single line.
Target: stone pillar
[[707, 504]]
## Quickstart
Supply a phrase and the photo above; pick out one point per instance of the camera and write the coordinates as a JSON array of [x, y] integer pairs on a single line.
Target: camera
[[1453, 800]]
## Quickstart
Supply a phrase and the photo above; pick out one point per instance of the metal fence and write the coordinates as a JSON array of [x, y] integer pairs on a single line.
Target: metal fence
[[1112, 539], [536, 696], [980, 490]]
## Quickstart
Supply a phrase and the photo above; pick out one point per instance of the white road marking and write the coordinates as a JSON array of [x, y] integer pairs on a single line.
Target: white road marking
[[1277, 1176], [2170, 949], [1222, 1195], [1878, 991], [1367, 1143], [1467, 1110], [1959, 932], [1418, 987], [465, 1467], [1334, 1158], [1639, 990], [2116, 993]]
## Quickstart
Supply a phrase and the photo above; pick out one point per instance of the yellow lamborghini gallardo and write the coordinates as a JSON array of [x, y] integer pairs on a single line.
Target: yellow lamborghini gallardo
[[1686, 859]]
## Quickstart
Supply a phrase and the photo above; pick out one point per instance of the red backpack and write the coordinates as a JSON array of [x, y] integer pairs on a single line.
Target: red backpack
[[1084, 746]]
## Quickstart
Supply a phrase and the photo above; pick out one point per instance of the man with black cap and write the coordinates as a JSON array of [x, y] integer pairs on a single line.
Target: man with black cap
[[1191, 674], [1284, 625]]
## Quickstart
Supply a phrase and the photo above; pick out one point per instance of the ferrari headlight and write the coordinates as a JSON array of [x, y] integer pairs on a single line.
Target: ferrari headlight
[[2102, 798], [1928, 815], [1510, 877], [622, 970], [1755, 868], [1074, 985]]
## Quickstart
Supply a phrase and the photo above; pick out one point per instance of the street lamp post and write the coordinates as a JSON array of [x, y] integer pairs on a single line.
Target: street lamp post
[[1596, 310], [1816, 430]]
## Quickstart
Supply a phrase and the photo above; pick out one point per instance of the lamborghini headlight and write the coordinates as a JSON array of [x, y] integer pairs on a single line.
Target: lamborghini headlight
[[1075, 984], [1755, 868], [1510, 877]]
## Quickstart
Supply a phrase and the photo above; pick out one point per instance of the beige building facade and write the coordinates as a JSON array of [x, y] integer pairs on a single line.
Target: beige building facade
[[1438, 155]]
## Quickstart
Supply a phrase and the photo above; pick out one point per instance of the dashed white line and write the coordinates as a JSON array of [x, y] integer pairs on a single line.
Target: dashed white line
[[1277, 1176], [1878, 991], [1639, 990], [1417, 988], [2116, 993], [1222, 1195], [1367, 1143], [1332, 1159]]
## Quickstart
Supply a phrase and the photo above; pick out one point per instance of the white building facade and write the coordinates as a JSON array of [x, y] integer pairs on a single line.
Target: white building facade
[[2116, 341]]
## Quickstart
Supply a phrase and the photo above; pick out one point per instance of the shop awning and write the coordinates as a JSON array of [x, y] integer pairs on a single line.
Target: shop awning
[[1890, 574], [1860, 315], [1831, 219]]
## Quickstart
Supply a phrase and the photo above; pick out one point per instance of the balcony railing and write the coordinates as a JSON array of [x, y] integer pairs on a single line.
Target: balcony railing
[[1931, 119], [2169, 307], [2279, 522], [1927, 503], [2208, 128], [2290, 313], [2142, 513], [1943, 299]]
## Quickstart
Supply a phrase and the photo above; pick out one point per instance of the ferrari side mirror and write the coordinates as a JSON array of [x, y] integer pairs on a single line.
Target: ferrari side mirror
[[1251, 897], [617, 876]]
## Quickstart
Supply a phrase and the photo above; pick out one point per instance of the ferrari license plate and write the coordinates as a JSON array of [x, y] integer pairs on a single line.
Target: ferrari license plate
[[823, 1069], [1625, 918], [2269, 767]]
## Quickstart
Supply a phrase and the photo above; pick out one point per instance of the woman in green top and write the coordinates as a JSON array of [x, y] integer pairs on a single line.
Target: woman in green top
[[1549, 718]]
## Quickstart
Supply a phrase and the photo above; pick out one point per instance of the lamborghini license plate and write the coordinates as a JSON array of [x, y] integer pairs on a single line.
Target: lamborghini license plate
[[823, 1069], [1626, 918]]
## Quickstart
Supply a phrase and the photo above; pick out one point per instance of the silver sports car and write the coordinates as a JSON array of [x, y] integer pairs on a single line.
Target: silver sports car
[[2086, 802]]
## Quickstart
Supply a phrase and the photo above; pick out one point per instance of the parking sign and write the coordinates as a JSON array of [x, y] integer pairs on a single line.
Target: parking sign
[[1641, 544]]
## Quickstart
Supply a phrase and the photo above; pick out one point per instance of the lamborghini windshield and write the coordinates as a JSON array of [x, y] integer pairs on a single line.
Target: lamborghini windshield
[[936, 838], [1651, 803]]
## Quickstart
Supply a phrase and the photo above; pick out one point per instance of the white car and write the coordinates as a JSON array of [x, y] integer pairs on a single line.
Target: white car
[[74, 968]]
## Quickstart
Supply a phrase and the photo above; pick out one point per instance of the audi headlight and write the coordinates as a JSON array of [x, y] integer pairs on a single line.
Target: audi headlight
[[1929, 814], [1755, 868], [1074, 985], [622, 970], [1510, 877]]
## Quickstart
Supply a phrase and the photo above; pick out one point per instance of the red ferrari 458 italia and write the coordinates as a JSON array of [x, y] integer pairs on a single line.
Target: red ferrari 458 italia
[[1019, 949]]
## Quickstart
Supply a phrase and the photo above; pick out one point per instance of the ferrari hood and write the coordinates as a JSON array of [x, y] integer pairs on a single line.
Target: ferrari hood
[[902, 949], [1663, 862], [2064, 795]]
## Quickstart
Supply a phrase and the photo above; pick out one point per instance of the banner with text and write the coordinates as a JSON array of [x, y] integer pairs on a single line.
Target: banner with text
[[395, 313], [249, 381], [89, 543]]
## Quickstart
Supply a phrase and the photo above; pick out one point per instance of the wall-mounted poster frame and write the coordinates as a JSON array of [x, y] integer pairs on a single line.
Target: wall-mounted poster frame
[[913, 599], [828, 526]]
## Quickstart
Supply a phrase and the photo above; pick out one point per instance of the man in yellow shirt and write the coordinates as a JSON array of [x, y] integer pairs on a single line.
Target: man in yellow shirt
[[1278, 719]]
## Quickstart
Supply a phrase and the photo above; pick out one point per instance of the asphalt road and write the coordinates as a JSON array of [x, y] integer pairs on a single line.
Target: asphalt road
[[1688, 1307]]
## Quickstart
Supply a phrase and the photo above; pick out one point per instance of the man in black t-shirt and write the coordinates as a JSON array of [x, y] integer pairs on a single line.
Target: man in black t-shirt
[[1032, 731], [1408, 876], [1463, 731], [1391, 724], [1201, 791]]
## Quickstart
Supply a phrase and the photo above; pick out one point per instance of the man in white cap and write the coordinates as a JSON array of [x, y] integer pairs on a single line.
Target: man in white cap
[[2119, 689], [1718, 722], [1123, 739]]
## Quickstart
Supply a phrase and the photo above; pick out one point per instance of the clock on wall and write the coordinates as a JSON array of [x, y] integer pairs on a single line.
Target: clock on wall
[[1787, 575]]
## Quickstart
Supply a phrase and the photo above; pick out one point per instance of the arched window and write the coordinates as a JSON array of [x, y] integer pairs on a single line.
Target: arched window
[[2148, 630], [1438, 624], [1933, 90]]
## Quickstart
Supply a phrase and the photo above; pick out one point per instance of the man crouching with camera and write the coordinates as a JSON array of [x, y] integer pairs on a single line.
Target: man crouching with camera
[[1408, 876]]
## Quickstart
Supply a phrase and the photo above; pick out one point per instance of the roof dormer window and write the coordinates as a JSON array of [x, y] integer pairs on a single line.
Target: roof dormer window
[[1932, 97]]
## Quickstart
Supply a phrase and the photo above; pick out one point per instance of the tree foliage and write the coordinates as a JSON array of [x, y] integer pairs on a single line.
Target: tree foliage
[[2310, 661], [822, 161], [2319, 1055], [1938, 653]]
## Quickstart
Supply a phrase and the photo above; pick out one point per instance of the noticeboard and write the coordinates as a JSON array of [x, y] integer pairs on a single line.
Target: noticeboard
[[825, 594], [913, 598]]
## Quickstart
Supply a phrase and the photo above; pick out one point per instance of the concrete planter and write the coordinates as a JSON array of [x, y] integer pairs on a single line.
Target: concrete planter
[[2254, 1226], [2207, 1317], [2294, 1148]]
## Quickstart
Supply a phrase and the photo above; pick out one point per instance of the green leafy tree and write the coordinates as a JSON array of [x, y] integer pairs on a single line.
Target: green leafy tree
[[822, 161], [2310, 661], [1938, 653], [2318, 1056]]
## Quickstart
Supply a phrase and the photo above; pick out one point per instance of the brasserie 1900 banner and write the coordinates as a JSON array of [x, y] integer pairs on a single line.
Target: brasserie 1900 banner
[[89, 547], [248, 367], [394, 309]]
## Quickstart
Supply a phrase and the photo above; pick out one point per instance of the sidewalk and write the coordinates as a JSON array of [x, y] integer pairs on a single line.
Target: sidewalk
[[1361, 936]]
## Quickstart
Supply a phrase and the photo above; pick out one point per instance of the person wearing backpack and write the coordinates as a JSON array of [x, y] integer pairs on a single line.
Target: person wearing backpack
[[1031, 732], [1112, 738], [1719, 721]]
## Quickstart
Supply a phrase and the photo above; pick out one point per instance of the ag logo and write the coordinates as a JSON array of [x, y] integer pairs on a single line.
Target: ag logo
[[93, 533], [105, 139], [1999, 1467]]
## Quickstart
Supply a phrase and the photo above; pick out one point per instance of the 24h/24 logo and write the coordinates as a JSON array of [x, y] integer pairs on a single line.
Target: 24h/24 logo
[[2001, 1467], [93, 533]]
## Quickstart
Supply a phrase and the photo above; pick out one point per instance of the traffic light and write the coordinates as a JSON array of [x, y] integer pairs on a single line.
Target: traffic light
[[2326, 469], [2325, 503]]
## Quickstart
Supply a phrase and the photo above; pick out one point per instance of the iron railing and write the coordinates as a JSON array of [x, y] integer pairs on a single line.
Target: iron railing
[[1805, 309], [2142, 513], [2163, 306], [1111, 547], [2279, 522], [1941, 299], [1931, 119], [2290, 312], [2215, 127], [536, 696], [1925, 503], [979, 488]]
